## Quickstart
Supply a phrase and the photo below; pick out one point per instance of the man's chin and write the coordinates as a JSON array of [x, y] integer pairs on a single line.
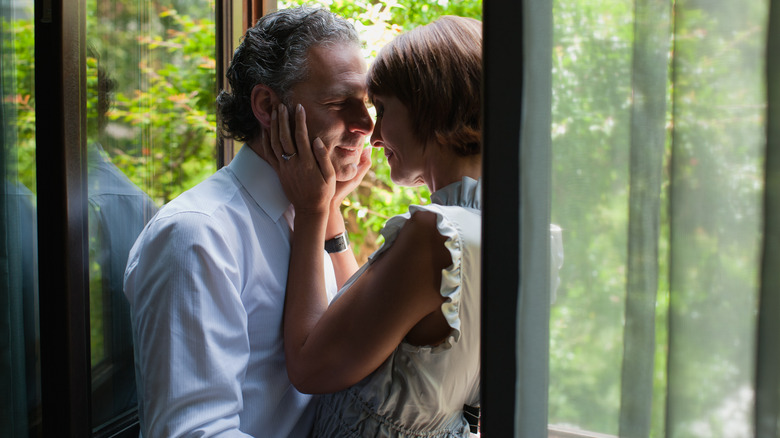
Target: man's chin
[[346, 172]]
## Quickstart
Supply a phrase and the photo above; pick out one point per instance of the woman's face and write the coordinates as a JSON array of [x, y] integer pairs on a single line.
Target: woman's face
[[393, 132]]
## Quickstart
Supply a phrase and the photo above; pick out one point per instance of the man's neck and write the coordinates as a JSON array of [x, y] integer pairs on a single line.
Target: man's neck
[[256, 144]]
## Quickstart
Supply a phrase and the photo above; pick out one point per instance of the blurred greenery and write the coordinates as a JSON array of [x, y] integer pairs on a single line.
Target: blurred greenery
[[710, 203], [162, 124], [592, 53], [21, 162]]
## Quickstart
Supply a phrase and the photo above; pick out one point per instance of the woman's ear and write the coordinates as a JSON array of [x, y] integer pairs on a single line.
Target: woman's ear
[[264, 100]]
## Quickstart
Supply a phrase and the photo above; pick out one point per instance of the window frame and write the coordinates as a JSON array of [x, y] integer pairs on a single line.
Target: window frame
[[62, 217], [62, 209], [502, 91], [63, 254]]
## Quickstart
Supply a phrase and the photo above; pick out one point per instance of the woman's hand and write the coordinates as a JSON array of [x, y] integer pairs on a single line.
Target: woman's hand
[[305, 170], [344, 188]]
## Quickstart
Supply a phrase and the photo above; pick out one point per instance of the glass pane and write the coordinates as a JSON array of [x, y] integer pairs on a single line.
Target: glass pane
[[20, 409], [592, 59], [709, 217], [716, 210], [151, 135]]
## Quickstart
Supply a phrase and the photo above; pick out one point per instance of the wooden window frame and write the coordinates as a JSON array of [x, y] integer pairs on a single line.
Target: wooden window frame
[[63, 254]]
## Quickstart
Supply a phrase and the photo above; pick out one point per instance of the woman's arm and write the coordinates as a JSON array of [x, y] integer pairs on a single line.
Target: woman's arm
[[331, 348], [344, 263]]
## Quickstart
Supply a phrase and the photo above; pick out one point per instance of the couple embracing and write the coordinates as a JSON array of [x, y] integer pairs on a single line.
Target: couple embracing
[[246, 298]]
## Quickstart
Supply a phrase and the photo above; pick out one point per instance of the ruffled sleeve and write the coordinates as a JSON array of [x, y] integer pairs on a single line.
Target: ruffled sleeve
[[451, 280], [465, 194], [447, 203]]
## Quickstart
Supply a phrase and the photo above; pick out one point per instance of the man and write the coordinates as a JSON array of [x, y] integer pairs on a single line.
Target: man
[[206, 278]]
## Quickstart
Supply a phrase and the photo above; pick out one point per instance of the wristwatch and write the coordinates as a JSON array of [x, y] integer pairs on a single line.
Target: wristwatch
[[339, 243]]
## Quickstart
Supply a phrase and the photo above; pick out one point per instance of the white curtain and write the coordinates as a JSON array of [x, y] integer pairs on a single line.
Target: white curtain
[[648, 131]]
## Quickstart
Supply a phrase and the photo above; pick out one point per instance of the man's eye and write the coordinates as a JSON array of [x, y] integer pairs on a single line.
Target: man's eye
[[337, 104], [379, 112]]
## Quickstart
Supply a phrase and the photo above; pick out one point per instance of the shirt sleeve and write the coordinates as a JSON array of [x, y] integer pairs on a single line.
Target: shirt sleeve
[[190, 328]]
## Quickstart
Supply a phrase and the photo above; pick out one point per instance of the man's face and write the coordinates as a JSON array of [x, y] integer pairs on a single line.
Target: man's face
[[334, 97]]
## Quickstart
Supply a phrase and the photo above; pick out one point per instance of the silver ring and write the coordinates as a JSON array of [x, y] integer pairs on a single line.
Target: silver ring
[[287, 157]]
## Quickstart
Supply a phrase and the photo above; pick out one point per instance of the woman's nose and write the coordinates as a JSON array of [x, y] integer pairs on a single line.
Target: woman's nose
[[376, 136]]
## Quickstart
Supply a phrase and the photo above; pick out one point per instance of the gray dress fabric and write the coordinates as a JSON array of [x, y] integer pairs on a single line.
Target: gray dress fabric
[[420, 391]]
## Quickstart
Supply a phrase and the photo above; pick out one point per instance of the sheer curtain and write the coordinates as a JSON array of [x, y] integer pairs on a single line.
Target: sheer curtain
[[664, 181]]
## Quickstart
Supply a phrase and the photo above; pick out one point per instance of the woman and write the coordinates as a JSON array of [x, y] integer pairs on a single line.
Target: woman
[[397, 351]]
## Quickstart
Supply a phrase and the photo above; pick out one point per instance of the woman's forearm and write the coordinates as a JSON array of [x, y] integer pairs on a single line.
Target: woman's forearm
[[306, 298], [344, 263]]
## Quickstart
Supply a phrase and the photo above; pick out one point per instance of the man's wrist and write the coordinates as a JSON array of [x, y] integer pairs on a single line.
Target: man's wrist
[[338, 244]]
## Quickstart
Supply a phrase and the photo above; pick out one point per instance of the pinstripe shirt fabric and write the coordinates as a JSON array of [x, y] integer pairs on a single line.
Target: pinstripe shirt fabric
[[206, 281]]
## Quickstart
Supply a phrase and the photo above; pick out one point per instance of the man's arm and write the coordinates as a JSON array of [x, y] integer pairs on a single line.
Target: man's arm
[[190, 329]]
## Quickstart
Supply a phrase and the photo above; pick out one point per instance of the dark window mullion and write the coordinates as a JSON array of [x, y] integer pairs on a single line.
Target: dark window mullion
[[502, 28], [62, 216]]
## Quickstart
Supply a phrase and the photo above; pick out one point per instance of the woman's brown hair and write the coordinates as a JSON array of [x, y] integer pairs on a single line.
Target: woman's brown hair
[[436, 71]]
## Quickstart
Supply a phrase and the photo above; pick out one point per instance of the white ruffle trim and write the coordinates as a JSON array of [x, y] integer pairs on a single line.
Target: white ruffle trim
[[467, 194]]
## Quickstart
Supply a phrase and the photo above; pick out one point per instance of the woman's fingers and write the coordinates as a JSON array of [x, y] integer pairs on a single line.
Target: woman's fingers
[[365, 162], [344, 188], [285, 138], [323, 160], [303, 163], [301, 132], [275, 145]]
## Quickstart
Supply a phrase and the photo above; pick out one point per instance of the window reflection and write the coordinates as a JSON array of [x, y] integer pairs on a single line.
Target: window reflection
[[118, 211], [151, 132], [19, 334]]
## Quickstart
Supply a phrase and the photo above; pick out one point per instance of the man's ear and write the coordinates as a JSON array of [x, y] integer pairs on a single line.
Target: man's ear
[[264, 101]]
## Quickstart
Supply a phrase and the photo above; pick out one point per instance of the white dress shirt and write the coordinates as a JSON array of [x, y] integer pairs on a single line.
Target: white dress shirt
[[206, 281]]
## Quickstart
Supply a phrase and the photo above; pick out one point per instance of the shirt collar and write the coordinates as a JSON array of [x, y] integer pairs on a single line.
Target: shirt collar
[[260, 181]]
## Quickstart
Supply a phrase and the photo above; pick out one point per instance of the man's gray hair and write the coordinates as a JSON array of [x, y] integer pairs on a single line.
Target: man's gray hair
[[274, 52]]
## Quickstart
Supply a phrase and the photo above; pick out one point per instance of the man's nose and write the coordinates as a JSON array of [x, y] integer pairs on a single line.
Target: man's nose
[[362, 124]]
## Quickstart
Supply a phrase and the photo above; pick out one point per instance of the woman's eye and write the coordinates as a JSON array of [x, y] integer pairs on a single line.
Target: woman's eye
[[379, 112]]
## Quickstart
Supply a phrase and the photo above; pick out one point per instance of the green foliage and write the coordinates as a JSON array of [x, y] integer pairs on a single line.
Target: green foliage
[[162, 126], [19, 98], [411, 14], [591, 94], [713, 178], [716, 187]]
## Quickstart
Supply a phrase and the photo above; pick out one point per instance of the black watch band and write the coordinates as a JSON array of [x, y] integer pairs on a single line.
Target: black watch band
[[339, 243]]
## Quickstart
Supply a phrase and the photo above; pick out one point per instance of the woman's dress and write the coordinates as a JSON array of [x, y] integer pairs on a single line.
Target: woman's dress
[[420, 391]]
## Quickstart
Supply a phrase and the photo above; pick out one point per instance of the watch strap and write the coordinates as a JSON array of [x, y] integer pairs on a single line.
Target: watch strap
[[337, 244]]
